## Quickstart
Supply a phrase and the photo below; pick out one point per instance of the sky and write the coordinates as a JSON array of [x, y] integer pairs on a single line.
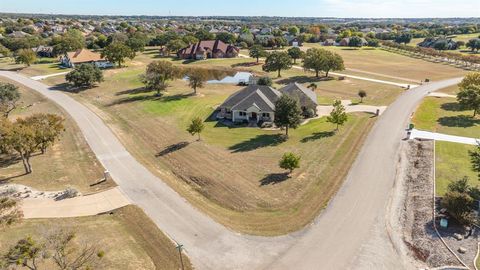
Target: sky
[[290, 8]]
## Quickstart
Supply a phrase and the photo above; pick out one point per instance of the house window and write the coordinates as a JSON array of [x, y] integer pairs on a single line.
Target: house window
[[242, 113], [266, 114]]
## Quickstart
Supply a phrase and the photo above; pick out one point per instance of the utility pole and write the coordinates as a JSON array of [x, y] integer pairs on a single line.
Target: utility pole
[[180, 248]]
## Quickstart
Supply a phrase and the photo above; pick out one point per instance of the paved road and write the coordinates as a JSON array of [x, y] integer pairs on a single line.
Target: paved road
[[349, 234], [443, 137]]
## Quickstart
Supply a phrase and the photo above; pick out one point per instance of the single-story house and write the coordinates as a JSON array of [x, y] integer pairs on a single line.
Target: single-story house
[[44, 51], [329, 42], [84, 56], [294, 41], [256, 103], [208, 49]]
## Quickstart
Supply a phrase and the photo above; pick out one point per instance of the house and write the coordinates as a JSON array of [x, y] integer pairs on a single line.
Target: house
[[84, 56], [44, 51], [294, 41], [329, 42], [256, 103], [344, 42], [208, 49]]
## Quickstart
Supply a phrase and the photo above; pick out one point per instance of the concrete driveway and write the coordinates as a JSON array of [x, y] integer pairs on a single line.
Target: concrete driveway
[[351, 233]]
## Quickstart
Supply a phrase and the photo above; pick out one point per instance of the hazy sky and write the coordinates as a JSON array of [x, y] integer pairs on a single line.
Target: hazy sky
[[310, 8]]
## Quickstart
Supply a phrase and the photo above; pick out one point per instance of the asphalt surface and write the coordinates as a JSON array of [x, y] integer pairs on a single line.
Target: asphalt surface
[[351, 233]]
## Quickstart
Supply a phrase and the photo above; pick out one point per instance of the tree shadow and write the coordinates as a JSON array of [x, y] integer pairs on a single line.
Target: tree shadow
[[247, 64], [172, 148], [318, 135], [274, 178], [304, 79], [138, 98], [458, 121], [8, 160], [66, 87], [259, 141], [452, 106], [139, 90], [6, 179]]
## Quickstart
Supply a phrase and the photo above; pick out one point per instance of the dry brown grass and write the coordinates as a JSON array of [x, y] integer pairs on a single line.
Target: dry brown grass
[[69, 163], [130, 240]]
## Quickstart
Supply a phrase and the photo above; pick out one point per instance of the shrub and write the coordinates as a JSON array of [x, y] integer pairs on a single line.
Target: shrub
[[265, 81]]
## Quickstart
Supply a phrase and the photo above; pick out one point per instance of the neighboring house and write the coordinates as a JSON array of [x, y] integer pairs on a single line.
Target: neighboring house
[[44, 51], [344, 42], [294, 41], [84, 56], [329, 42], [256, 103], [208, 49]]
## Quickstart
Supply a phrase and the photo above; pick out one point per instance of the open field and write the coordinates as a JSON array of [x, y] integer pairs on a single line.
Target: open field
[[69, 163], [128, 238], [452, 160], [391, 64], [233, 173]]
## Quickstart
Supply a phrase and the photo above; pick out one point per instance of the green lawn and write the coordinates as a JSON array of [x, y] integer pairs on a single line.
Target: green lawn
[[452, 160], [452, 163]]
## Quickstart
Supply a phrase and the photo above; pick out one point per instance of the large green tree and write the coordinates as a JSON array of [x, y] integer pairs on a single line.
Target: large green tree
[[295, 53], [85, 75], [197, 77], [117, 52], [317, 59], [158, 74], [25, 56], [277, 61], [288, 113], [9, 98], [71, 41]]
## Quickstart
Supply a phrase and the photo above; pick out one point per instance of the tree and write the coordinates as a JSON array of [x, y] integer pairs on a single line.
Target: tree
[[226, 37], [9, 97], [277, 61], [313, 86], [10, 211], [137, 42], [338, 116], [403, 38], [204, 35], [27, 253], [474, 44], [355, 42], [67, 255], [322, 60], [362, 94], [71, 41], [295, 53], [459, 201], [189, 39], [4, 51], [117, 52], [26, 56], [287, 113], [267, 81], [85, 75], [175, 45], [158, 74], [257, 51], [289, 161], [293, 30], [475, 159], [48, 128], [472, 78], [197, 78], [469, 98], [196, 127]]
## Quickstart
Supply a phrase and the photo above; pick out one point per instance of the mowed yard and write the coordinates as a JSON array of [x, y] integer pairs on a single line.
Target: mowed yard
[[443, 115], [399, 68], [128, 238], [69, 163]]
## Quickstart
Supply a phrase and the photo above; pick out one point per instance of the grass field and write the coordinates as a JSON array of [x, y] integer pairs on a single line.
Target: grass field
[[128, 238], [395, 66], [452, 160], [233, 174], [69, 163]]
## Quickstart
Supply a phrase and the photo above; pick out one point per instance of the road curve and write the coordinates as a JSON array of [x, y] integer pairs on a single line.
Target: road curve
[[349, 234]]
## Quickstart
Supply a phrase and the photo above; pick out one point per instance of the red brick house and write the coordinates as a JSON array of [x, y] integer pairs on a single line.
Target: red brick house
[[208, 49]]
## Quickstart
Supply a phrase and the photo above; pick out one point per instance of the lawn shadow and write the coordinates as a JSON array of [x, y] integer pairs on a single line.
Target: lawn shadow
[[458, 121], [259, 141], [139, 90], [452, 106], [318, 135], [172, 148], [149, 97], [274, 178], [247, 64], [304, 79]]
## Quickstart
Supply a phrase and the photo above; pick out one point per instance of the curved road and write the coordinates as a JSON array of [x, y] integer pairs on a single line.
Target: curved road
[[350, 233]]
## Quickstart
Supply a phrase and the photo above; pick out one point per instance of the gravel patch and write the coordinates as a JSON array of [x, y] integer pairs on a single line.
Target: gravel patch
[[24, 192]]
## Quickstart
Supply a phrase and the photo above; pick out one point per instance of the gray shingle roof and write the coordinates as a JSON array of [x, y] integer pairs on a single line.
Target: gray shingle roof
[[301, 92], [257, 94]]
